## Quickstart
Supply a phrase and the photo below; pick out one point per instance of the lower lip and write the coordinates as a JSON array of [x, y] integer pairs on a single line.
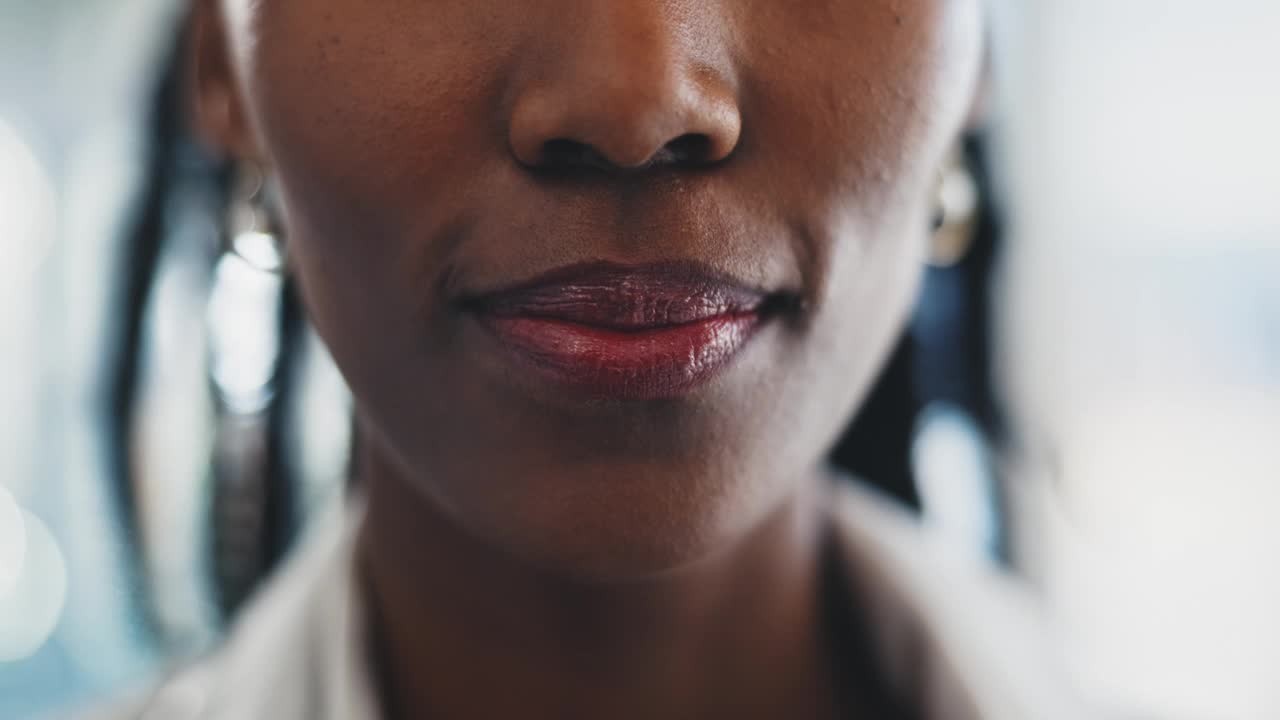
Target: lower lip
[[653, 364]]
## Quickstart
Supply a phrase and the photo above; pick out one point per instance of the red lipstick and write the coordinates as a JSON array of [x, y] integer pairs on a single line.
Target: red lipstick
[[624, 332]]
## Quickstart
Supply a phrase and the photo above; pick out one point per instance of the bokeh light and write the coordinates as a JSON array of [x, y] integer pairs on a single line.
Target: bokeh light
[[33, 602]]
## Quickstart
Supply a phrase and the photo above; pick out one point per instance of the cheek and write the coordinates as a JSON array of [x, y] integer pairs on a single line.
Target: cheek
[[871, 103], [374, 122], [870, 110], [406, 90], [855, 128]]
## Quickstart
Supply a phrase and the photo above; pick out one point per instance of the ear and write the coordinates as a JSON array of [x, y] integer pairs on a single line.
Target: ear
[[217, 104]]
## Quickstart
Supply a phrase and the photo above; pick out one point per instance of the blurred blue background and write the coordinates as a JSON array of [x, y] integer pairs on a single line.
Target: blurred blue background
[[74, 77]]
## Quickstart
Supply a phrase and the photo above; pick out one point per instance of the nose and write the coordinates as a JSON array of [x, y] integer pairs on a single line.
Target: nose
[[633, 88]]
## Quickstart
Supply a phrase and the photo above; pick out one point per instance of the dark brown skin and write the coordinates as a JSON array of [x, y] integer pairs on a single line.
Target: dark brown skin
[[529, 553]]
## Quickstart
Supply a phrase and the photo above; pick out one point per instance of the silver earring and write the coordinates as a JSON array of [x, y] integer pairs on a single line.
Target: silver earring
[[245, 346], [252, 231], [956, 214]]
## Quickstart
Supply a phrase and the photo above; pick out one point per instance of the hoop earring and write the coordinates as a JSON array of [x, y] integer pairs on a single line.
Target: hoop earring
[[252, 231], [956, 213]]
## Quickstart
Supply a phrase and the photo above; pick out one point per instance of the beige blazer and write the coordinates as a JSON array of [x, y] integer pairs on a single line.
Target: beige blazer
[[963, 640]]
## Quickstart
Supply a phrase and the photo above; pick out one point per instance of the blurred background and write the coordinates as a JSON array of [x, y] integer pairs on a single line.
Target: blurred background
[[1090, 395]]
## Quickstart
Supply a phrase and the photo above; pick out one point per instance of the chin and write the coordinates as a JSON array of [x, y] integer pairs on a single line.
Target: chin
[[615, 524]]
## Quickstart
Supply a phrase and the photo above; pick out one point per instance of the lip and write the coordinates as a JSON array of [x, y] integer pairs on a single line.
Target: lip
[[625, 332]]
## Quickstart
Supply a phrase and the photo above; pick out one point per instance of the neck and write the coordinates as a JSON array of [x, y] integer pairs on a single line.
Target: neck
[[461, 630]]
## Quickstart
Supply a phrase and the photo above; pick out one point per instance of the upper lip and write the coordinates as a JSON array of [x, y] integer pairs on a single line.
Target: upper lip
[[621, 297]]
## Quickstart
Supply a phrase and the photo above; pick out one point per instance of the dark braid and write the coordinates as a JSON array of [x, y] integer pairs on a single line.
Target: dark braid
[[183, 180], [139, 261]]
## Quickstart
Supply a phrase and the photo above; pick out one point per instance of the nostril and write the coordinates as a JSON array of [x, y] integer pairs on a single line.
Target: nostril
[[689, 149], [565, 154]]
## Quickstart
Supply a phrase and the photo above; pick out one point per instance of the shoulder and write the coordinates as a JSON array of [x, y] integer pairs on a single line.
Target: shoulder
[[264, 657], [965, 638], [283, 658]]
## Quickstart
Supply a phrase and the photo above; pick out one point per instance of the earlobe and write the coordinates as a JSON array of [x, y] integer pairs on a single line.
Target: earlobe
[[216, 106]]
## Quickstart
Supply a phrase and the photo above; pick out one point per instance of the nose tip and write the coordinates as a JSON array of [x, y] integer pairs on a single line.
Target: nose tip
[[612, 125]]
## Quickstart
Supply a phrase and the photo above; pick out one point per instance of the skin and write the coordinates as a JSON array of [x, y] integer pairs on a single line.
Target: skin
[[527, 552]]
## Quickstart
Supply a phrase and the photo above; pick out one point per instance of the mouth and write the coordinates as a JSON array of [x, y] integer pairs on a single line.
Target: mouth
[[626, 332]]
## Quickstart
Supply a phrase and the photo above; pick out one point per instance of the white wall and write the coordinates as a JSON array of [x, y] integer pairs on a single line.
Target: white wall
[[1140, 315]]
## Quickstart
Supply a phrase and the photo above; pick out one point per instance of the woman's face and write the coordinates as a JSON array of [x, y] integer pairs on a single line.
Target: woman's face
[[606, 277]]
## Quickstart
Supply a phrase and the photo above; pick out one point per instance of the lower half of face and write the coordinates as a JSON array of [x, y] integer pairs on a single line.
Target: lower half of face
[[607, 281]]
